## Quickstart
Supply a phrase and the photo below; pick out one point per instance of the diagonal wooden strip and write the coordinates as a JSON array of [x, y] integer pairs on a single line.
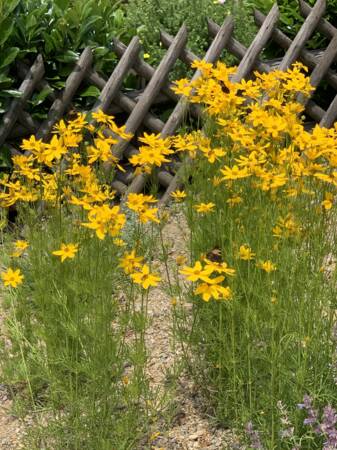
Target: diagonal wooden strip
[[186, 55], [181, 108], [72, 84], [323, 25], [152, 89], [322, 67], [257, 45], [238, 50], [135, 95], [303, 35], [308, 58], [146, 71], [27, 87], [150, 120], [27, 121], [330, 115], [127, 103], [22, 69], [212, 55], [115, 81]]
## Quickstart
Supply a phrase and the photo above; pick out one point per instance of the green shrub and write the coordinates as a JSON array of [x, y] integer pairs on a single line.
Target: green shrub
[[59, 30], [147, 17], [291, 19]]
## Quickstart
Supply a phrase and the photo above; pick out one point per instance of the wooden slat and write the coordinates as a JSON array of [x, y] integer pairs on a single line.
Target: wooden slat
[[181, 108], [303, 35], [323, 25], [161, 100], [186, 55], [259, 42], [22, 70], [27, 87], [27, 121], [61, 104], [322, 67], [115, 81], [127, 103], [238, 50], [146, 71], [309, 58], [152, 89], [330, 116]]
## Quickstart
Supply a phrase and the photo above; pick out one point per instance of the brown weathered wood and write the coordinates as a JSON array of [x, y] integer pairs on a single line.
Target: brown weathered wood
[[61, 104], [115, 81], [186, 55], [310, 59], [119, 187], [146, 71], [27, 121], [152, 89], [164, 178], [257, 45], [22, 70], [322, 67], [181, 108], [235, 47], [330, 115], [150, 120], [303, 35], [323, 25], [127, 103], [161, 100], [27, 88]]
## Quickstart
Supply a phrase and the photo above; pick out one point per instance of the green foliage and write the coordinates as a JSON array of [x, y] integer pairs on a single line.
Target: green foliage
[[291, 19], [59, 30], [147, 17], [77, 347], [273, 340]]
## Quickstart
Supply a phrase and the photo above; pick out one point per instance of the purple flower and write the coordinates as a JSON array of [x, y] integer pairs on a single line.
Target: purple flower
[[254, 437], [312, 413]]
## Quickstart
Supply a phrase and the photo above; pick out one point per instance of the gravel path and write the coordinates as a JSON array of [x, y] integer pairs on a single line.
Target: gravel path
[[190, 429]]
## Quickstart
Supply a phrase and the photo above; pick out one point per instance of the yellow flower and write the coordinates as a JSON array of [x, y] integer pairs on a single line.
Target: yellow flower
[[220, 267], [145, 277], [178, 195], [328, 201], [21, 244], [101, 117], [246, 253], [146, 56], [129, 262], [203, 208], [119, 242], [181, 259], [19, 247], [174, 301], [182, 87], [197, 272], [12, 277], [267, 266], [66, 251], [234, 173], [214, 290]]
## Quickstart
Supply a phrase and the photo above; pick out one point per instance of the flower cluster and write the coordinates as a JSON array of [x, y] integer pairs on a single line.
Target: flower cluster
[[139, 273], [209, 287]]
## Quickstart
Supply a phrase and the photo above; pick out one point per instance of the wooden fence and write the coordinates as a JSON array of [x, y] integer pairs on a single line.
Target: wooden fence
[[138, 105]]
